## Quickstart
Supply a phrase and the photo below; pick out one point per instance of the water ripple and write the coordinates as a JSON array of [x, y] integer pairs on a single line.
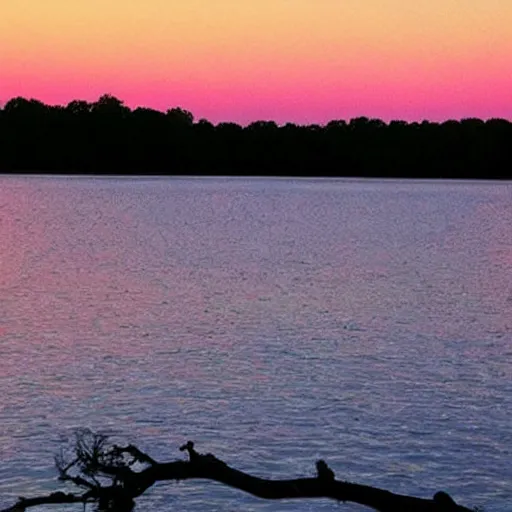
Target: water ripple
[[273, 322]]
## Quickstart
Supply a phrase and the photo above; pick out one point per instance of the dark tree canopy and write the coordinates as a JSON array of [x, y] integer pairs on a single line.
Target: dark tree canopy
[[112, 477], [106, 136]]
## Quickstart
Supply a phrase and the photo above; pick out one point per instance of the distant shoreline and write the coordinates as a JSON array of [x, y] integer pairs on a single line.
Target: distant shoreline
[[241, 177], [93, 138]]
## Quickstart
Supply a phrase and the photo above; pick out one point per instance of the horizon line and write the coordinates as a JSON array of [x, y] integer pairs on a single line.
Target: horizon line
[[3, 103]]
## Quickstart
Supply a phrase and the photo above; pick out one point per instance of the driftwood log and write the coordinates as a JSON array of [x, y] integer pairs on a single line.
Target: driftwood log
[[112, 477]]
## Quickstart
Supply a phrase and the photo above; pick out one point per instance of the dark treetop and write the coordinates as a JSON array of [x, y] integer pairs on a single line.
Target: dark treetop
[[108, 137]]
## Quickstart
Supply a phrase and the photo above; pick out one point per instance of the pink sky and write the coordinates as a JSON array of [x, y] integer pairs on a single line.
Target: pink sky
[[301, 61]]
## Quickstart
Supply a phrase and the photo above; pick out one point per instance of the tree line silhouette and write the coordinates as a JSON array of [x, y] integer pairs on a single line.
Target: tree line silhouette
[[108, 137]]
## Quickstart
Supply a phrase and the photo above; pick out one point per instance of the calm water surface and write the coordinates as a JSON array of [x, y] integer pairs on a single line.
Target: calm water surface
[[273, 322]]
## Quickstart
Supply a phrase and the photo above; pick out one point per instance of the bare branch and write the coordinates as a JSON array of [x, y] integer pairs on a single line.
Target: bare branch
[[95, 459], [52, 499]]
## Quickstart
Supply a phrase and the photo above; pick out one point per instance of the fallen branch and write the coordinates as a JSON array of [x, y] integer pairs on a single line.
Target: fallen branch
[[106, 475]]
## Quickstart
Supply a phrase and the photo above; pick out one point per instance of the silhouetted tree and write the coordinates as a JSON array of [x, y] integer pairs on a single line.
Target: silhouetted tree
[[180, 118], [106, 136], [79, 108], [110, 105]]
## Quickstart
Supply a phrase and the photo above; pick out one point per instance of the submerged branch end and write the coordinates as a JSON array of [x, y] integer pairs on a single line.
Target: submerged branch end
[[128, 484]]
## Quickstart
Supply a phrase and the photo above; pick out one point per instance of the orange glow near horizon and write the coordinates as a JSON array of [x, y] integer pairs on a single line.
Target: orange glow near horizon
[[288, 60]]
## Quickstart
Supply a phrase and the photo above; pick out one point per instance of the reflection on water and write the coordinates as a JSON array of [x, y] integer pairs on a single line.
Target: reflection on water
[[271, 321]]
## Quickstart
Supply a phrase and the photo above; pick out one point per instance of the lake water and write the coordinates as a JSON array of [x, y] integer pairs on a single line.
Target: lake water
[[273, 322]]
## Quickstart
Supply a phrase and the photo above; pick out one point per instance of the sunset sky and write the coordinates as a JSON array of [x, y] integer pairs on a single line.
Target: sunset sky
[[304, 61]]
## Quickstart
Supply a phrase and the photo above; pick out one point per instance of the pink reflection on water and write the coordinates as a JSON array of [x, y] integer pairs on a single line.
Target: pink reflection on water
[[322, 311]]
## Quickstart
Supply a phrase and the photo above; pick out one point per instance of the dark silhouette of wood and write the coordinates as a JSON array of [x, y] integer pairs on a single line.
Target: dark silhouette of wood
[[324, 472], [107, 477]]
